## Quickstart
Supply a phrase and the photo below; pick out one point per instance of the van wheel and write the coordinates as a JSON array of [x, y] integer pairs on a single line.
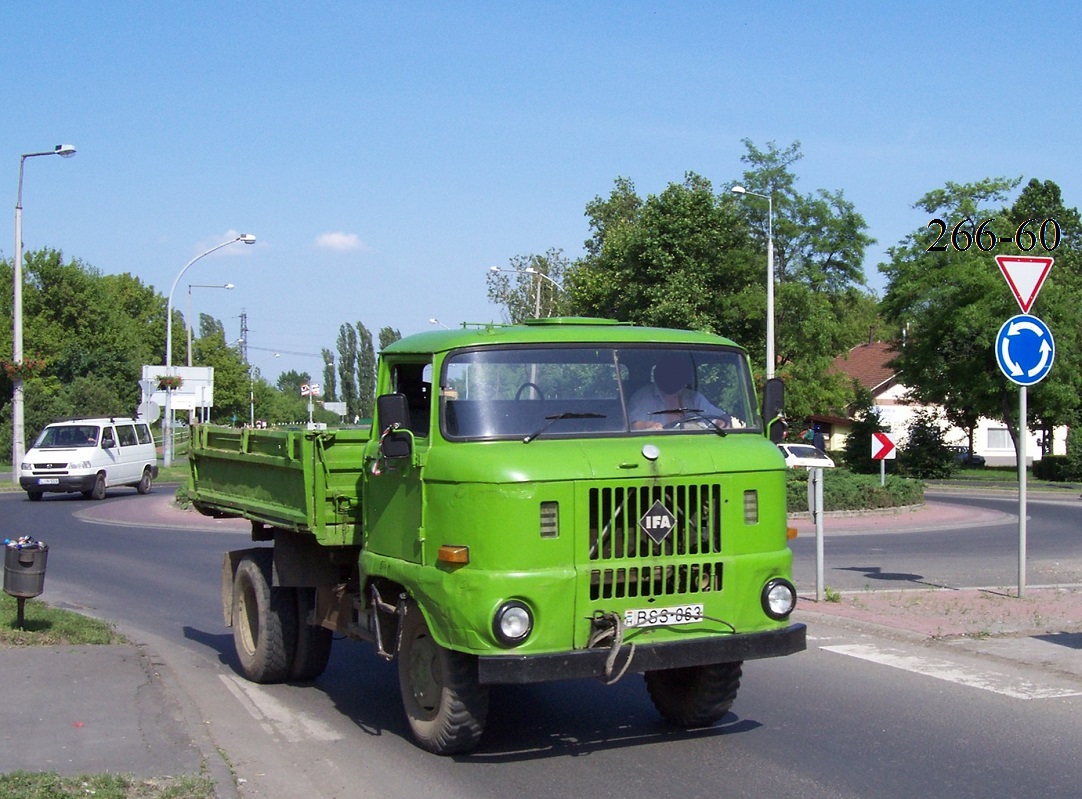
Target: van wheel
[[695, 696], [264, 620], [98, 491], [445, 704], [313, 648], [145, 482], [34, 496]]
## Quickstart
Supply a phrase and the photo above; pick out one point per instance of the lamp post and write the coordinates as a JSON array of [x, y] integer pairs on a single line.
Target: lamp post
[[529, 270], [769, 276], [191, 286], [435, 321], [167, 423], [18, 435]]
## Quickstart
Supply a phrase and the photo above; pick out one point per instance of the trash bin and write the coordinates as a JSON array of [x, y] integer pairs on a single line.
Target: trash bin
[[24, 569]]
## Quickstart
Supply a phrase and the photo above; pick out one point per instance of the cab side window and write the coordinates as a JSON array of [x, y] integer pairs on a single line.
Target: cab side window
[[126, 435], [414, 380], [144, 434]]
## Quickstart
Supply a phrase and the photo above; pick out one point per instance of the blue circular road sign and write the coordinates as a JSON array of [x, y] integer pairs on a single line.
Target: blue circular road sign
[[1025, 349]]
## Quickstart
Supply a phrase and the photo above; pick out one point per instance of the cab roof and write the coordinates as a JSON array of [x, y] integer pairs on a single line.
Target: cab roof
[[552, 330]]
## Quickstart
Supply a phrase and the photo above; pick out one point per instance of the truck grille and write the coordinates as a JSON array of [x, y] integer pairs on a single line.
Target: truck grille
[[620, 532]]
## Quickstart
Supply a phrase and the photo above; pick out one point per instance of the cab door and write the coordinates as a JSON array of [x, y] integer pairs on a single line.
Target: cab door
[[394, 500]]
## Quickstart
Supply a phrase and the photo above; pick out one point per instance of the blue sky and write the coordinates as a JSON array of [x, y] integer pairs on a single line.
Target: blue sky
[[386, 154]]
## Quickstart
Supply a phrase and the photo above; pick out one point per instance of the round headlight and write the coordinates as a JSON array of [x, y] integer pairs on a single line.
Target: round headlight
[[512, 623], [778, 598]]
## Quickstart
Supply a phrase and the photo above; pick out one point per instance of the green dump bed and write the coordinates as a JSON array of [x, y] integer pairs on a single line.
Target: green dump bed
[[302, 480]]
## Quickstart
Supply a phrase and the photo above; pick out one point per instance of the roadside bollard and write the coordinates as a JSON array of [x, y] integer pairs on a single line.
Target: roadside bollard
[[24, 572]]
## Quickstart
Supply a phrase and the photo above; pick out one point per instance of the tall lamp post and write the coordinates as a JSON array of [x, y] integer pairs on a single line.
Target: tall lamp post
[[769, 276], [529, 270], [18, 434], [191, 286], [167, 423]]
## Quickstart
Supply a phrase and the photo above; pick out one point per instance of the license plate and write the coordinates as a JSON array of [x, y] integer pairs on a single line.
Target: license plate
[[663, 617], [48, 481]]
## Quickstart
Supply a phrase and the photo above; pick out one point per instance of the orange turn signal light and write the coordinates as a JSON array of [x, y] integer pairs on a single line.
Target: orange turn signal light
[[452, 554], [790, 533]]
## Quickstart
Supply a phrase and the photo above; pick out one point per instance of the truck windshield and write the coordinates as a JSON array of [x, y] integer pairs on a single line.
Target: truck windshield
[[526, 392]]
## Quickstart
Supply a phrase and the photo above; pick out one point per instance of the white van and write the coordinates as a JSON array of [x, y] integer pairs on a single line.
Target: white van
[[90, 455]]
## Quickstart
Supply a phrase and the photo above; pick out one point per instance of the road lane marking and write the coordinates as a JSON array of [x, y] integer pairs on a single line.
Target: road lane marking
[[952, 672], [275, 717]]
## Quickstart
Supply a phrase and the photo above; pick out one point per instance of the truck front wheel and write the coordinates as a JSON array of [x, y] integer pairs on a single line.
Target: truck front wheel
[[445, 704], [695, 696], [264, 621]]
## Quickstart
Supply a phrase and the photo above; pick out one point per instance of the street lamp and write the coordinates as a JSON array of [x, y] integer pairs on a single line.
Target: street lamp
[[189, 318], [769, 276], [167, 423], [529, 270], [18, 435], [435, 321]]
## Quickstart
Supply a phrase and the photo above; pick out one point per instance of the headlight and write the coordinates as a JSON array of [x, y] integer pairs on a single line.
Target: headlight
[[24, 466], [512, 623], [778, 598], [79, 465]]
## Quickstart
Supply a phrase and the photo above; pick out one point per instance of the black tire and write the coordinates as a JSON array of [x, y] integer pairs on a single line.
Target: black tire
[[146, 482], [695, 696], [264, 621], [313, 647], [34, 496], [445, 704], [98, 491]]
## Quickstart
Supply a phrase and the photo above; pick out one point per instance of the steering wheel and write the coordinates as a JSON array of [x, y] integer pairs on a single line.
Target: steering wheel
[[529, 386], [697, 423]]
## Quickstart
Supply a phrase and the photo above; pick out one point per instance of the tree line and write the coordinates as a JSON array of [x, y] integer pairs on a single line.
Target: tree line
[[692, 256]]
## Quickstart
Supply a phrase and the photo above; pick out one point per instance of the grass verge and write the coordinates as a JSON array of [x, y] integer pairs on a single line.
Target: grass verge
[[46, 626], [49, 785]]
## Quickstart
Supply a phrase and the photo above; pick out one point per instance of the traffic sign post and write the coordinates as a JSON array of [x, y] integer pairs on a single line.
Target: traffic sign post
[[884, 449], [1025, 351]]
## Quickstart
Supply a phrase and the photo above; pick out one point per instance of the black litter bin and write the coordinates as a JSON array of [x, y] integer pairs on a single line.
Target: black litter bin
[[24, 570]]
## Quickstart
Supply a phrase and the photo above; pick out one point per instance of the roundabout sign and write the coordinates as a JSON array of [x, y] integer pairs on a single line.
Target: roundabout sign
[[1025, 349]]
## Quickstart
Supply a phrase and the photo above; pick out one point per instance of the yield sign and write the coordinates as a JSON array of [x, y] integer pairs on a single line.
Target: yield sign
[[883, 447], [1025, 276]]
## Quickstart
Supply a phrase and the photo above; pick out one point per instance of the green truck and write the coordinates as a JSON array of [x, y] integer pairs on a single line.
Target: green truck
[[561, 499]]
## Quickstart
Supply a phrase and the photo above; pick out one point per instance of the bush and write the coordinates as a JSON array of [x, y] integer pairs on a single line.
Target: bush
[[844, 490], [1055, 468]]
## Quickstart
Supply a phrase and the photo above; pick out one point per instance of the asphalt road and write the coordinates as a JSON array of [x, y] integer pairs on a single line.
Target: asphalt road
[[851, 717]]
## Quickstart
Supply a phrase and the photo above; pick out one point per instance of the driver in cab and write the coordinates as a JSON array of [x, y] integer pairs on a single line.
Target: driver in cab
[[670, 400]]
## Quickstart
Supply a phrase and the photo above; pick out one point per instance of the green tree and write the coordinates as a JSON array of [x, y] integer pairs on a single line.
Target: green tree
[[366, 372], [530, 286], [857, 452], [330, 385], [925, 454], [387, 337], [347, 368], [952, 303]]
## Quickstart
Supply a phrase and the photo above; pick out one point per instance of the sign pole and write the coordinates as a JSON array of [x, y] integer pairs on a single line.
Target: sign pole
[[1022, 429]]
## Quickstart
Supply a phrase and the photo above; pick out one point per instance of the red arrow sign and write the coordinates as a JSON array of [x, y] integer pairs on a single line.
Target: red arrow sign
[[883, 447], [1024, 276]]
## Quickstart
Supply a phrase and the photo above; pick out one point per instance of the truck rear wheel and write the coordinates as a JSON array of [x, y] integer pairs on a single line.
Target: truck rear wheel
[[313, 648], [445, 704], [264, 620], [695, 696]]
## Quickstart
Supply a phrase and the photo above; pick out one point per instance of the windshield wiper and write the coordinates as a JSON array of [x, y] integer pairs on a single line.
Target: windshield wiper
[[553, 419]]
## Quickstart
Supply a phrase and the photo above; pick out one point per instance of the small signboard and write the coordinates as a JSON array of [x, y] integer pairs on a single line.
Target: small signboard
[[883, 447]]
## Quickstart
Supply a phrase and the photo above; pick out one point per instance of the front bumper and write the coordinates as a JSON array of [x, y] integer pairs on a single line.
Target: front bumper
[[64, 483], [506, 669]]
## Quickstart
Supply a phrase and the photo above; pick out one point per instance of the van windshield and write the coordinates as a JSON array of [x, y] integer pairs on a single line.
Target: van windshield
[[67, 436], [562, 391]]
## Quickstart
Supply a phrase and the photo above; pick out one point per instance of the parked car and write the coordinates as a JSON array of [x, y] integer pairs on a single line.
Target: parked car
[[966, 457], [805, 455]]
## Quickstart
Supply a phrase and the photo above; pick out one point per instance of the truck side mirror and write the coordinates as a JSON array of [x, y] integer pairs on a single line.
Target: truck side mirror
[[773, 407], [393, 414]]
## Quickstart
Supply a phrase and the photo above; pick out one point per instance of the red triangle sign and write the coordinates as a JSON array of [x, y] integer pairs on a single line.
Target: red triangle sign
[[1024, 275]]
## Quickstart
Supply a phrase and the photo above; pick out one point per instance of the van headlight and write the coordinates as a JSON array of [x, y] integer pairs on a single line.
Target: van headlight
[[512, 623], [778, 598], [79, 465]]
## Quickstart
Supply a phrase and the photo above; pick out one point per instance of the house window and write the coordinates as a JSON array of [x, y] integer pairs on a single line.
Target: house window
[[999, 438]]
